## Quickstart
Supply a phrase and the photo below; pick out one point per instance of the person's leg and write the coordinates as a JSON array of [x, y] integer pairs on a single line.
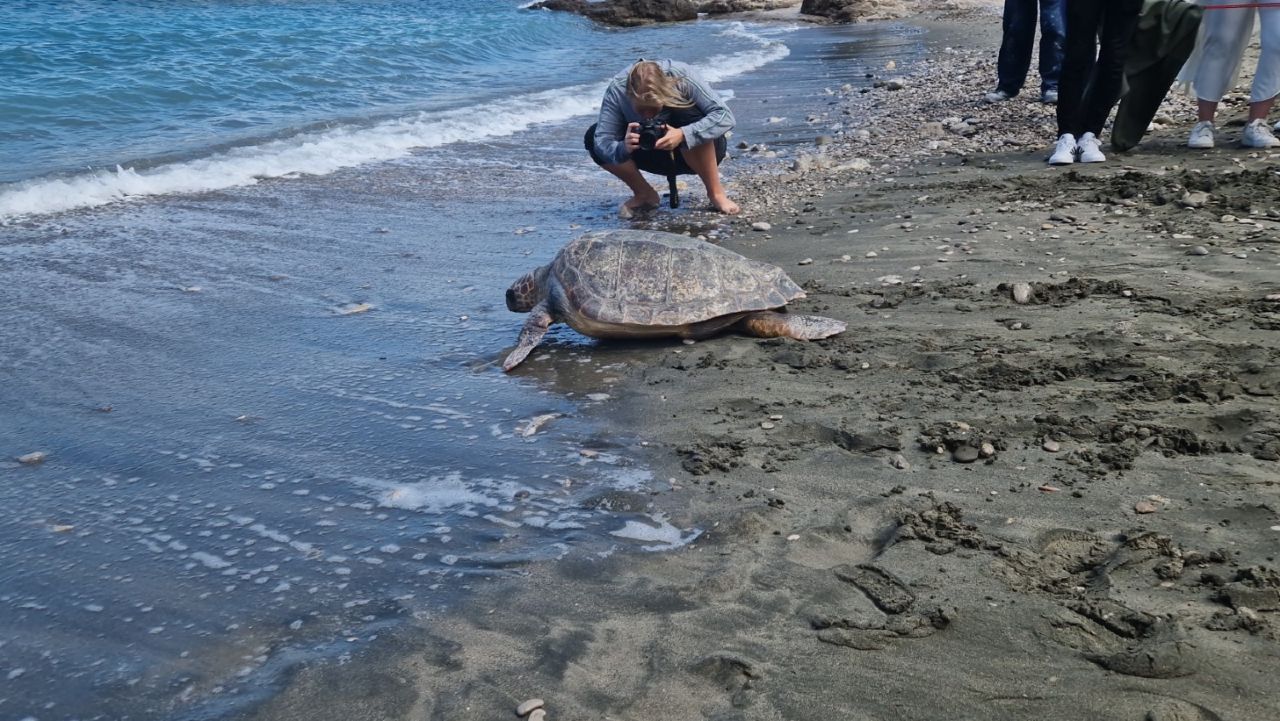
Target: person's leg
[[1266, 84], [1226, 32], [1019, 35], [1266, 80], [1079, 52], [1118, 21], [643, 196], [702, 160], [1053, 28]]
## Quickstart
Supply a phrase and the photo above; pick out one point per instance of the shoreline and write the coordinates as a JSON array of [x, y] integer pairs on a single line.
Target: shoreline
[[1066, 508]]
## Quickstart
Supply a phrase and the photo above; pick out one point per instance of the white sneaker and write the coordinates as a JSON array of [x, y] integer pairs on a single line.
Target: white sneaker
[[1257, 134], [996, 96], [1090, 151], [1064, 152], [1201, 135]]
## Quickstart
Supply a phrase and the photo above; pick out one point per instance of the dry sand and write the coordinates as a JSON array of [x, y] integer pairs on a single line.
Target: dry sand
[[966, 507]]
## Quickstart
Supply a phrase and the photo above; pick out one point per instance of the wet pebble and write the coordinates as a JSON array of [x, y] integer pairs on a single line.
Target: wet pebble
[[1021, 293], [529, 706], [805, 261], [1051, 445], [761, 226], [965, 454], [1198, 250]]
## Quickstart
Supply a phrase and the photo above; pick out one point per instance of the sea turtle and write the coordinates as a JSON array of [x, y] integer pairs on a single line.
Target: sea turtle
[[641, 283]]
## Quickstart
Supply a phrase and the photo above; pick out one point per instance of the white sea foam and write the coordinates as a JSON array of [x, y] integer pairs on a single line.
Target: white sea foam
[[330, 150], [663, 537]]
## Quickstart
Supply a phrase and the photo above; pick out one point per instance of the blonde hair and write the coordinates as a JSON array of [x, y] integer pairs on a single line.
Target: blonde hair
[[647, 85]]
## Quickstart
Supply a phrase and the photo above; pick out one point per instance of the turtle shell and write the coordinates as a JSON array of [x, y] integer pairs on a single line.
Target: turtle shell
[[651, 278]]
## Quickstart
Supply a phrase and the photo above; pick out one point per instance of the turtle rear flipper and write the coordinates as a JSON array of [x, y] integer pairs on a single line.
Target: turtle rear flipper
[[530, 336], [768, 324]]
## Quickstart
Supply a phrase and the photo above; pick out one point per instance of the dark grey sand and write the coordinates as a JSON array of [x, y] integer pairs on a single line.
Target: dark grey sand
[[1110, 554]]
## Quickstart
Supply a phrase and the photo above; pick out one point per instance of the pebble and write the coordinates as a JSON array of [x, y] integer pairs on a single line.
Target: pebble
[[1021, 293], [794, 537], [987, 450], [965, 454], [805, 261], [1242, 255], [1272, 298], [761, 226], [529, 706], [1145, 507], [900, 462], [538, 715], [767, 425], [872, 254], [1198, 250], [33, 458], [1228, 219], [1195, 199], [775, 417], [1051, 445], [1046, 488]]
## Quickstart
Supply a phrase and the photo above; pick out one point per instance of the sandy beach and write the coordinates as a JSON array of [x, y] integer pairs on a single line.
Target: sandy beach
[[1036, 478]]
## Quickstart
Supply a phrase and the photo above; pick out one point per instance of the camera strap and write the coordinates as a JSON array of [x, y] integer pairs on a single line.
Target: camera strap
[[673, 193]]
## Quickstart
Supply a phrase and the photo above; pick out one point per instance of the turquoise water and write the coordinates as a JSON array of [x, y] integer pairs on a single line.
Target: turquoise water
[[104, 100]]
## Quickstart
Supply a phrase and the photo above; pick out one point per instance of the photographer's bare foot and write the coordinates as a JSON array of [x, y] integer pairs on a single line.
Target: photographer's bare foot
[[724, 205], [638, 204]]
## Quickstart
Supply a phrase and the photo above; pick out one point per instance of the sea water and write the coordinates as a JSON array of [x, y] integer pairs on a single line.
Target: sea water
[[252, 256]]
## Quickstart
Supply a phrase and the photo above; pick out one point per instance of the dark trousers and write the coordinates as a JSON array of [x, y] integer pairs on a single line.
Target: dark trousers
[[1019, 37], [658, 162], [1093, 64]]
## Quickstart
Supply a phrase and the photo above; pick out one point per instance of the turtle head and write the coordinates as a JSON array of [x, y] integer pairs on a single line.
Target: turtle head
[[527, 292]]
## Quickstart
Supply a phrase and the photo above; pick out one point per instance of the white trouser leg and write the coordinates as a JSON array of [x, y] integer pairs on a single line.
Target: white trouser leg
[[1225, 36], [1266, 82]]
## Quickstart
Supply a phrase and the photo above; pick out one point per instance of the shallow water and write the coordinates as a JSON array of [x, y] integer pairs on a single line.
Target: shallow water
[[272, 415]]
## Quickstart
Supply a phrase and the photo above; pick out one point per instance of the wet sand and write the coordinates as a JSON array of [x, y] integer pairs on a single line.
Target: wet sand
[[964, 506]]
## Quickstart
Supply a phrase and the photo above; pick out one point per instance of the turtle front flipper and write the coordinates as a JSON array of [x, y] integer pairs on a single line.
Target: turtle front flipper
[[768, 324], [530, 335]]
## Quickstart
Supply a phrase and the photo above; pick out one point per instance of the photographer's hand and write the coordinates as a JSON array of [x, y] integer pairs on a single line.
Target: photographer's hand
[[672, 140], [632, 138]]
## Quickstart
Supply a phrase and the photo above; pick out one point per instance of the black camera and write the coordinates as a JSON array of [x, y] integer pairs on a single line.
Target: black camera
[[651, 131]]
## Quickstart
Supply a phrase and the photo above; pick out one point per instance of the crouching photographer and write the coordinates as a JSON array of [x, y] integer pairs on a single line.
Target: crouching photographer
[[658, 117]]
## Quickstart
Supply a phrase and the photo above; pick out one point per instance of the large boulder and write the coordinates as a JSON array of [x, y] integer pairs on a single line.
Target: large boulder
[[852, 11], [717, 7], [627, 13]]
